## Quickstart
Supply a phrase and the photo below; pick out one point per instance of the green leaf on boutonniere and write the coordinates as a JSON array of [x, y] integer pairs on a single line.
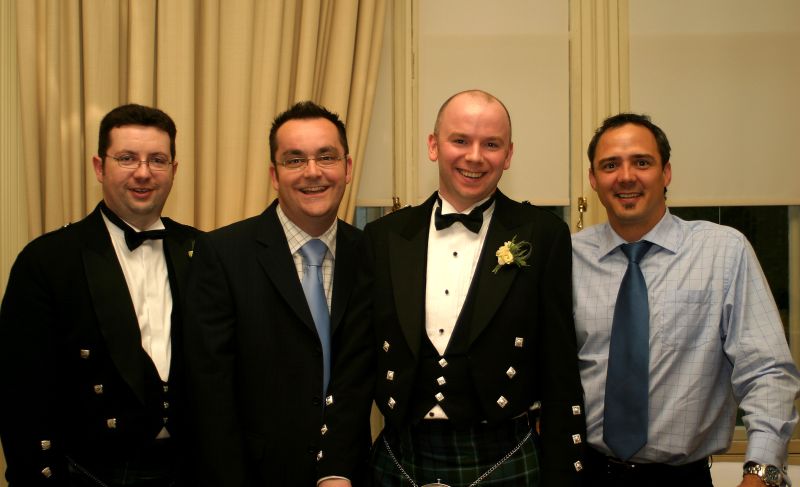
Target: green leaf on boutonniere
[[513, 252]]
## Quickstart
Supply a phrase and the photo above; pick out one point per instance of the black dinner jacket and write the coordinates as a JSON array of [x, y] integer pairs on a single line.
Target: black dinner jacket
[[254, 356], [67, 326], [533, 303]]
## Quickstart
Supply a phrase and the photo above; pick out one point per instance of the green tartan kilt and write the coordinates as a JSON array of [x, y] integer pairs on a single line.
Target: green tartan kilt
[[433, 451]]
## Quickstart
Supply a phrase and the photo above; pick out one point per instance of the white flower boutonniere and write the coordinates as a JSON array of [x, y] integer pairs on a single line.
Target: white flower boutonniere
[[513, 252]]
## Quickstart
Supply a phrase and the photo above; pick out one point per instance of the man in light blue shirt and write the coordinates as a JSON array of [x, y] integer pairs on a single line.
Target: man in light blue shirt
[[715, 336]]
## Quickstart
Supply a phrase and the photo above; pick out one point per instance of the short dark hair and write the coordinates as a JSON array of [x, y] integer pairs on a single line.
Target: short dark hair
[[621, 119], [302, 111], [133, 114]]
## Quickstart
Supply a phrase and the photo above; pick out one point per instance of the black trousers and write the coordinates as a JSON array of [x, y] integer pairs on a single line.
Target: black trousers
[[601, 470], [153, 466]]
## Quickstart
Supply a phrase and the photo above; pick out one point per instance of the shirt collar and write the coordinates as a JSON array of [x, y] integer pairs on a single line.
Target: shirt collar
[[296, 237], [666, 234], [117, 232], [448, 208]]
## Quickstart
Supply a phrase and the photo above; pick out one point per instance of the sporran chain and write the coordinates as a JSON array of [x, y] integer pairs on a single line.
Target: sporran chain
[[439, 483]]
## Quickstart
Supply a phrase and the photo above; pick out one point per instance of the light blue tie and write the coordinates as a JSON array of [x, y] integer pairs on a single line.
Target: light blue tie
[[313, 253], [626, 402]]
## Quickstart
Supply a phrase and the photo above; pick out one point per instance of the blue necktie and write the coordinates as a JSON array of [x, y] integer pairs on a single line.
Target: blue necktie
[[313, 253], [626, 402]]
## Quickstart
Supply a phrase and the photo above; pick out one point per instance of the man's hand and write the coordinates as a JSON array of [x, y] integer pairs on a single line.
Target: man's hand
[[345, 483], [752, 480]]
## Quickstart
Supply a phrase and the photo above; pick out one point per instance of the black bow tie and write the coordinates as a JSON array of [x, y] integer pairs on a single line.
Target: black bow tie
[[472, 220], [132, 238]]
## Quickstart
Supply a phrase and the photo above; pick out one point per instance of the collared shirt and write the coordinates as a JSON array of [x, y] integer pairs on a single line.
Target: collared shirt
[[145, 270], [715, 338], [453, 255], [297, 238]]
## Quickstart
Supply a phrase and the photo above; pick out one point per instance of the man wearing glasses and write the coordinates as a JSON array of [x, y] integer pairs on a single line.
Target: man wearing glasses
[[90, 375], [265, 305]]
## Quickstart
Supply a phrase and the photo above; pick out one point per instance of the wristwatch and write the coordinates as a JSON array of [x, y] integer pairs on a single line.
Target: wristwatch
[[770, 474]]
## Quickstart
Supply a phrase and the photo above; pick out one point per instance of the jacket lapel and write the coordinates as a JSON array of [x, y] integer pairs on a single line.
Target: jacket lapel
[[491, 288], [112, 303], [276, 260], [344, 274], [408, 260], [178, 246]]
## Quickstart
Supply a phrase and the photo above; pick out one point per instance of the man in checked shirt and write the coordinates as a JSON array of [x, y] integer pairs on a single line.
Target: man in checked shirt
[[712, 336]]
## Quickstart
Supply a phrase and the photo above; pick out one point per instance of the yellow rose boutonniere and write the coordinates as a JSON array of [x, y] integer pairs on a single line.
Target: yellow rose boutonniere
[[512, 252]]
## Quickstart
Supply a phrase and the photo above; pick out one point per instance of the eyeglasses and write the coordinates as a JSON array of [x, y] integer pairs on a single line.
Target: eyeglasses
[[156, 163], [296, 163]]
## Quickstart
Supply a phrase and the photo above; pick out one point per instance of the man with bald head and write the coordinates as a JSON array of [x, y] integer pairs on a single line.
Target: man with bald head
[[465, 337]]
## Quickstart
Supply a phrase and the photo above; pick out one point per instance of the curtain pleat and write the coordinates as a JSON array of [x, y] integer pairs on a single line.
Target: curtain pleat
[[221, 70]]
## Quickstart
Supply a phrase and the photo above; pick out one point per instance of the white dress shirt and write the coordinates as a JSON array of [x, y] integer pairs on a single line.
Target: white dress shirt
[[145, 270], [453, 255]]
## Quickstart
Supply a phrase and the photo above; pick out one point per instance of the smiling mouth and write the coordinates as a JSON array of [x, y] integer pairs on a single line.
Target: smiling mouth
[[625, 196], [313, 190], [469, 174]]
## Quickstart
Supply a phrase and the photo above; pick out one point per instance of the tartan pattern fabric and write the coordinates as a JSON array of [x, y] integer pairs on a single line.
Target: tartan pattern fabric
[[433, 451]]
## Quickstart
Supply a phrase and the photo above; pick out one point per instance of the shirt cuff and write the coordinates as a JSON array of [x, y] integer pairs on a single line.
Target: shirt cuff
[[766, 448]]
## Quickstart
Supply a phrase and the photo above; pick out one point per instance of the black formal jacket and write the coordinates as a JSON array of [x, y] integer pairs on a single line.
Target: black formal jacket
[[533, 303], [76, 381], [254, 357]]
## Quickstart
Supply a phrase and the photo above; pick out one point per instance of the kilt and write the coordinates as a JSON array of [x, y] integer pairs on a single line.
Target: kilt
[[436, 451]]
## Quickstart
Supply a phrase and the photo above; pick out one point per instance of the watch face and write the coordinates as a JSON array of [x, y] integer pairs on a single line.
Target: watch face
[[772, 475]]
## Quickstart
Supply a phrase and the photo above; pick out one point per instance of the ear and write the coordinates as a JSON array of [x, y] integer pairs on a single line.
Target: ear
[[592, 179], [348, 168], [433, 148], [667, 174], [99, 171], [507, 163], [273, 176]]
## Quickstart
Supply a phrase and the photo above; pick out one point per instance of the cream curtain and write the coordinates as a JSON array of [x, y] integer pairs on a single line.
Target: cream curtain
[[221, 69]]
